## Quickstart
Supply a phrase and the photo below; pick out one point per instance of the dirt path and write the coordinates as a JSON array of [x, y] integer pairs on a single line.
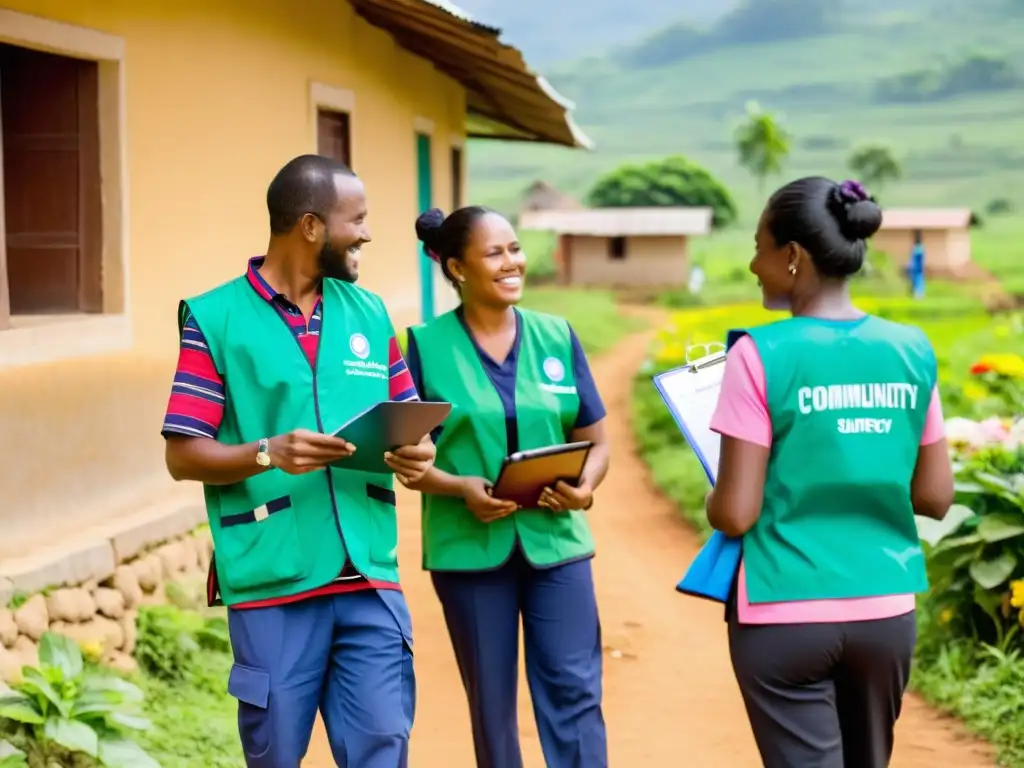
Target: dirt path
[[670, 697]]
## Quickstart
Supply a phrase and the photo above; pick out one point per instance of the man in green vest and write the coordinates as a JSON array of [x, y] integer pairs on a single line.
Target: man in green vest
[[271, 364]]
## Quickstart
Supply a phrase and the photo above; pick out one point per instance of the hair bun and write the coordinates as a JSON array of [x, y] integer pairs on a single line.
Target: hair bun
[[428, 226], [857, 213]]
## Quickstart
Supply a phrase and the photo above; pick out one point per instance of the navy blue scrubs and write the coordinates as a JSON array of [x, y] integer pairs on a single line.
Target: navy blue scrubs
[[561, 629]]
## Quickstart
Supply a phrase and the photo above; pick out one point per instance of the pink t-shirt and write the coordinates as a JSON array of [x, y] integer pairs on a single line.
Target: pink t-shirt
[[742, 413]]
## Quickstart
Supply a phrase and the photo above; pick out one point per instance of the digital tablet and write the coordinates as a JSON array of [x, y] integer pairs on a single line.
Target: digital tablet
[[525, 474], [386, 426]]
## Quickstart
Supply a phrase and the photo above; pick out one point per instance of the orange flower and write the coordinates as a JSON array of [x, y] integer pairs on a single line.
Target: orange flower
[[979, 368]]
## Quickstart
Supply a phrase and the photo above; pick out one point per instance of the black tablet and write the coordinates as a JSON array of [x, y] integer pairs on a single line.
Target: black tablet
[[386, 426]]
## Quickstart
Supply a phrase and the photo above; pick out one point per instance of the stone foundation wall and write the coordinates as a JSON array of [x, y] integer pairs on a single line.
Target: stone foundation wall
[[100, 615]]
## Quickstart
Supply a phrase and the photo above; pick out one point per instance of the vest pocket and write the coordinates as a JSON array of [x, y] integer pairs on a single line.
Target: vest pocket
[[261, 548], [384, 524]]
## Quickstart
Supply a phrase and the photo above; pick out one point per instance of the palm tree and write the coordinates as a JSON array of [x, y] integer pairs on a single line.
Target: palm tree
[[762, 143], [874, 165]]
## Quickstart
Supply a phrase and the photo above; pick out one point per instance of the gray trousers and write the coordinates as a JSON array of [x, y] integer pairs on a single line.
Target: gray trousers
[[823, 695]]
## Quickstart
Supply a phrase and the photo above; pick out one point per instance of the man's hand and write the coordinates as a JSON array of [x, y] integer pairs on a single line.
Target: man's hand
[[477, 493], [566, 498], [411, 462], [301, 451]]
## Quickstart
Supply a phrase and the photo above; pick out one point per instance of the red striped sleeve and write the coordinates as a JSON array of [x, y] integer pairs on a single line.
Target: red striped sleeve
[[196, 405], [400, 383]]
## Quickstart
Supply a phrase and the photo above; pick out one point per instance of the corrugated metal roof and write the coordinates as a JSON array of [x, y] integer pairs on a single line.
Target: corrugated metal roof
[[505, 99], [926, 218], [621, 222]]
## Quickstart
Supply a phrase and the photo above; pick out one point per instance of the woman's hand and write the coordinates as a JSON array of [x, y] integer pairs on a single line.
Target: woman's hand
[[477, 493], [566, 498]]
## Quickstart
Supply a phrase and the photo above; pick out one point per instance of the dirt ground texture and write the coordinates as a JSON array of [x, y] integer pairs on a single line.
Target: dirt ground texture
[[670, 696]]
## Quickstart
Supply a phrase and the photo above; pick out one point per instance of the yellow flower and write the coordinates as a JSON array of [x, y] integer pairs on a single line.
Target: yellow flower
[[1005, 364], [1017, 593], [974, 391], [946, 616], [92, 651]]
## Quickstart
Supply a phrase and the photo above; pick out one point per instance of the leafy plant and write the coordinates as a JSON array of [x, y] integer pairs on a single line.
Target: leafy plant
[[976, 554], [61, 714], [11, 756]]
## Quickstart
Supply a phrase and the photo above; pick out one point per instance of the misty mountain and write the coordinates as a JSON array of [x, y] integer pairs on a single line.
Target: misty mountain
[[559, 30]]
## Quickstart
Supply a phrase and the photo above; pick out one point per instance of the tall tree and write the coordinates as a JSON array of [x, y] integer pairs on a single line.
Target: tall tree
[[874, 165], [762, 143]]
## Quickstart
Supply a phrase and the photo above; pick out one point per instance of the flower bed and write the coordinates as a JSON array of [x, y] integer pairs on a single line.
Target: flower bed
[[971, 623]]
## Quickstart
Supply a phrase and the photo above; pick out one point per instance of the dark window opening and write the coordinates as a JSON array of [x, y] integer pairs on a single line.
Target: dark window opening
[[617, 248], [333, 136]]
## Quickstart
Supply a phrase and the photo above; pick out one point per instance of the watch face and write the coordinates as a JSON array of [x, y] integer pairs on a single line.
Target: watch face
[[263, 459]]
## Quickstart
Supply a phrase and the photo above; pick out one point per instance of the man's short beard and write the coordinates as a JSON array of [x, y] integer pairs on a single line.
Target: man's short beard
[[334, 264]]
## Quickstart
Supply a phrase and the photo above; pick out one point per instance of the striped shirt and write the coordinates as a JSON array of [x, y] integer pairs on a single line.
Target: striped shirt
[[197, 402]]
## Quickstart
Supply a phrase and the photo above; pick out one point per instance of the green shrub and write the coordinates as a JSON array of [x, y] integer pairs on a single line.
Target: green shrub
[[63, 715], [669, 182]]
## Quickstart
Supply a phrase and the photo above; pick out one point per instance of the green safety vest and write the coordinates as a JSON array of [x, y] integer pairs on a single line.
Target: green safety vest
[[277, 534], [848, 402], [473, 443]]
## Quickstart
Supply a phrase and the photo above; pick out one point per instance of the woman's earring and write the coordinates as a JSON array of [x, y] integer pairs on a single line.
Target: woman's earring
[[792, 269]]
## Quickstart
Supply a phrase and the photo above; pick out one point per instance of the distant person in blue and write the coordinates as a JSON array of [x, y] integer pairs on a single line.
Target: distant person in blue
[[915, 268], [517, 380]]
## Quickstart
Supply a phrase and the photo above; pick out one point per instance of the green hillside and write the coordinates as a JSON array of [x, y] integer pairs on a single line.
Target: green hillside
[[960, 144]]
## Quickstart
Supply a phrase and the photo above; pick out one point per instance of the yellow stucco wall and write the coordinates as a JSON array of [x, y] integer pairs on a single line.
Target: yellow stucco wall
[[218, 98]]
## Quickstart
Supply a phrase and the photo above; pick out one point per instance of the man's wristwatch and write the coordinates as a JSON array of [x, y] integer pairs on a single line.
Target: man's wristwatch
[[263, 452]]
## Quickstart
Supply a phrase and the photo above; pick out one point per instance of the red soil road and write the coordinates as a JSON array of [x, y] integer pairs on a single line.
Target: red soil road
[[670, 696]]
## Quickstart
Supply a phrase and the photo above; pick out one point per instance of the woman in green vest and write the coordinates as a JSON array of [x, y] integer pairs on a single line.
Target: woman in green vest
[[516, 380], [832, 440]]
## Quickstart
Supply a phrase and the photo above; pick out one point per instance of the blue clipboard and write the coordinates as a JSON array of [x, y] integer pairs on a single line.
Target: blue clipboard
[[712, 573]]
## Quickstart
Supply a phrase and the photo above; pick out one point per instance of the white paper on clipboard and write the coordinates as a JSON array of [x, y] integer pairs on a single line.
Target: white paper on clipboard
[[691, 394]]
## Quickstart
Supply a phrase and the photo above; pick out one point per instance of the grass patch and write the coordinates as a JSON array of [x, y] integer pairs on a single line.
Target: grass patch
[[194, 719], [594, 315]]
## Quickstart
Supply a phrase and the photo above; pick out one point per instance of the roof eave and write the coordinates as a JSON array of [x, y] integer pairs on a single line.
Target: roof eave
[[505, 90]]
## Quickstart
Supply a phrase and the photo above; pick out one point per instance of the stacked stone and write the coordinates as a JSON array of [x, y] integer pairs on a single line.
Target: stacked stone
[[100, 617]]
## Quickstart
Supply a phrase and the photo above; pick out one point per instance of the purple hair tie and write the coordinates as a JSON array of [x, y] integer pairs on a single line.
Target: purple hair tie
[[433, 255], [853, 191]]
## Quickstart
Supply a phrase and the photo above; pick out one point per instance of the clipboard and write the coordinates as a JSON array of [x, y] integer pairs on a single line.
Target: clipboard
[[386, 426], [525, 474], [691, 393]]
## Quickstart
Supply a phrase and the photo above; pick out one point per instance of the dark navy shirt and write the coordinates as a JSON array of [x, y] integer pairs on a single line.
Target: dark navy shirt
[[503, 377]]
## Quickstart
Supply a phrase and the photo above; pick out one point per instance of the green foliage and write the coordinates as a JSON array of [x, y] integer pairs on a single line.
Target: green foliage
[[672, 181], [170, 639], [62, 714], [974, 73], [11, 756], [874, 165], [762, 144], [194, 719], [976, 555]]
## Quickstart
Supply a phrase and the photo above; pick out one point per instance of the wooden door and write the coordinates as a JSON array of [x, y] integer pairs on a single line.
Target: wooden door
[[332, 132], [52, 197]]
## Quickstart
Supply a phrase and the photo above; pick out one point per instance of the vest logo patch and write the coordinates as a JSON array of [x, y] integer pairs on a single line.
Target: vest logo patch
[[554, 369], [359, 345]]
